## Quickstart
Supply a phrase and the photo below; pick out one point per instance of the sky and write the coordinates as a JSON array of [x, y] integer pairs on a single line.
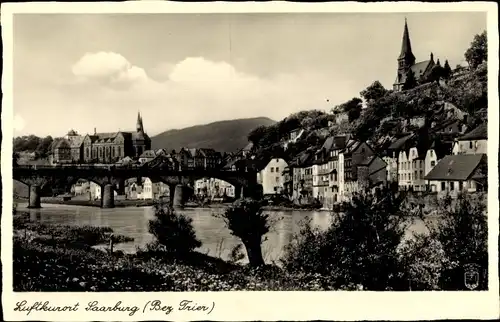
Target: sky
[[75, 71]]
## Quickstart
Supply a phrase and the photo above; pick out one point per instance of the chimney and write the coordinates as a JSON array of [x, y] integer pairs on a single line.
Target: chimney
[[95, 131]]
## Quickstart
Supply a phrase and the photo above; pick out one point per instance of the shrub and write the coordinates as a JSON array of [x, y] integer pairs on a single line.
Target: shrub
[[174, 232]]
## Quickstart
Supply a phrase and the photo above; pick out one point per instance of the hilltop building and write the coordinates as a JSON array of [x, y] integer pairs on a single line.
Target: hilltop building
[[407, 64]]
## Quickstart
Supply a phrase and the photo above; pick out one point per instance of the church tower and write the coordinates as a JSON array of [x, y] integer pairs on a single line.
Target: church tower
[[406, 59], [140, 139]]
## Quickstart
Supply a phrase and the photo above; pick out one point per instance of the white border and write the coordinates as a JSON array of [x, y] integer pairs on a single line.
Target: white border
[[266, 306]]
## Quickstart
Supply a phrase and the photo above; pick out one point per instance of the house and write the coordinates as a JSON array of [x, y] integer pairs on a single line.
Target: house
[[293, 137], [435, 153], [146, 189], [271, 177], [372, 172], [147, 156], [153, 190], [95, 191], [302, 176], [350, 158], [214, 188], [411, 164], [325, 180], [474, 142], [459, 173], [453, 112]]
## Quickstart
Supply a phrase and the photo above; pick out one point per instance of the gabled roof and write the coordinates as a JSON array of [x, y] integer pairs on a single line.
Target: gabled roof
[[400, 143], [479, 133], [458, 167], [420, 68], [148, 154], [75, 141]]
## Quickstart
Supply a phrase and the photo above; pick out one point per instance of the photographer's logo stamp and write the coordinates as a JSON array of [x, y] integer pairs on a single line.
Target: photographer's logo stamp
[[471, 276]]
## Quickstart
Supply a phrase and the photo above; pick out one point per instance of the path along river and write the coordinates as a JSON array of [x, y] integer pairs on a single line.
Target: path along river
[[211, 231]]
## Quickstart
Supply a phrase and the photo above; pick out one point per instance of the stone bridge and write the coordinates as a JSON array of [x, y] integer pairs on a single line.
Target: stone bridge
[[111, 177]]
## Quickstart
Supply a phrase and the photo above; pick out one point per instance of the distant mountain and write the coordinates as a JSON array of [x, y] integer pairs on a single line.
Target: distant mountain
[[223, 136]]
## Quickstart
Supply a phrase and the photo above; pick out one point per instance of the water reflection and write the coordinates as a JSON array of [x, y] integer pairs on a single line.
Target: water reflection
[[211, 231]]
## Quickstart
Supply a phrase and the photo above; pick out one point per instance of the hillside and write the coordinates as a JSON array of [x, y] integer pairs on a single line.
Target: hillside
[[223, 136]]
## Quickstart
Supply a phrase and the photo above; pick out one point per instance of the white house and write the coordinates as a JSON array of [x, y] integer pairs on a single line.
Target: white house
[[411, 170], [271, 177], [214, 188], [474, 142], [459, 173], [95, 191]]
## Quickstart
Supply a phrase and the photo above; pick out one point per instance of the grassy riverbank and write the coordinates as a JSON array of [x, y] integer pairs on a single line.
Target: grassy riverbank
[[61, 258]]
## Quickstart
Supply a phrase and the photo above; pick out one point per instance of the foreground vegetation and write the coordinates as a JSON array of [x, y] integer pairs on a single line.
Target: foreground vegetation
[[364, 248]]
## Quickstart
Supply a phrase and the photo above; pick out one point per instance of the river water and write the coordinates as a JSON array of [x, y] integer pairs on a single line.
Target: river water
[[210, 230]]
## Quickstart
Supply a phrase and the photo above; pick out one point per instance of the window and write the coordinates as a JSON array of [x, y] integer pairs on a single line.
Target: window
[[277, 169], [433, 163], [277, 179], [452, 186], [272, 169], [470, 145], [443, 186], [415, 176], [421, 174], [432, 153], [460, 186]]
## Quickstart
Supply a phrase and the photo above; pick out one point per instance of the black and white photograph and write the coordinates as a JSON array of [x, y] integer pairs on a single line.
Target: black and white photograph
[[249, 151]]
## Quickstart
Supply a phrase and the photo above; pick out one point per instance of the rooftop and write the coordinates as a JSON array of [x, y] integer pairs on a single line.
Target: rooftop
[[459, 167]]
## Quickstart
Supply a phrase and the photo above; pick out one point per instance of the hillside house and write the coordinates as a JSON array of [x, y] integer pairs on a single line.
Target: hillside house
[[474, 142], [459, 173]]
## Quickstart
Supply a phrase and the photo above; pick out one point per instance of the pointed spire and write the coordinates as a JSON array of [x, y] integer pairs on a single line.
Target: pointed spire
[[139, 122], [438, 63], [432, 56], [406, 45]]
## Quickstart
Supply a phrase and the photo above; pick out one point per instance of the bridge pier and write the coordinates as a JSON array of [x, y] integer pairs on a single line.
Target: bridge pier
[[178, 198], [108, 196], [34, 197]]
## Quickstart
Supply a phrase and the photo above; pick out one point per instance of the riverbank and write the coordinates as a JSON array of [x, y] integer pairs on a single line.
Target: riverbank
[[121, 203], [60, 258]]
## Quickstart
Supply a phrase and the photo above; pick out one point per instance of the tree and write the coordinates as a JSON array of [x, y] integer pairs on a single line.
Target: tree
[[477, 53], [374, 92], [42, 150], [463, 234], [174, 233], [435, 74], [360, 246], [410, 81], [256, 134], [246, 220], [352, 107]]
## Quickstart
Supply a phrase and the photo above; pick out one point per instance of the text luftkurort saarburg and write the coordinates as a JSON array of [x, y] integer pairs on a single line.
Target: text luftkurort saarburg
[[95, 306]]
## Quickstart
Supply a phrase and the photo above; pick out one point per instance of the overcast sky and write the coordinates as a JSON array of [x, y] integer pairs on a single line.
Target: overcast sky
[[86, 71]]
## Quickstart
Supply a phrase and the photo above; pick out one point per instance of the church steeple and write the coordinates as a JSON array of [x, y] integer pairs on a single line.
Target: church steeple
[[406, 56], [139, 126]]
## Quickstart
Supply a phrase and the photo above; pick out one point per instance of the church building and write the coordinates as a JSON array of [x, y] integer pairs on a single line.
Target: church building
[[407, 65], [102, 147]]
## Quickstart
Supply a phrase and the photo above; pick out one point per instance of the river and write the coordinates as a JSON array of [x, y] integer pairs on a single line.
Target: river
[[211, 231]]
